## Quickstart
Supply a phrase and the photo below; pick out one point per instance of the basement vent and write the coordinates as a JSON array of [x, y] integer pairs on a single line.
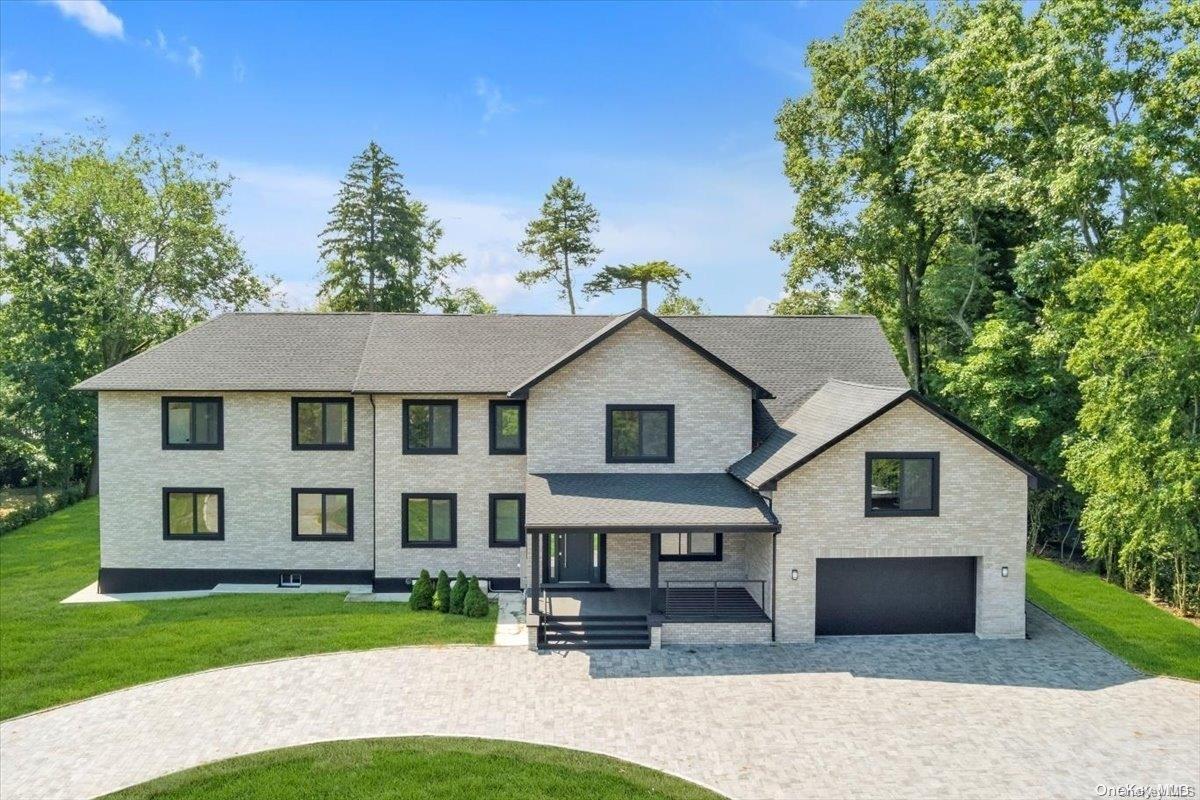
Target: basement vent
[[291, 580]]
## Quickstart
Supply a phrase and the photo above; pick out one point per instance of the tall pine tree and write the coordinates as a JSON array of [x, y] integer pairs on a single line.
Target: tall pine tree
[[560, 239]]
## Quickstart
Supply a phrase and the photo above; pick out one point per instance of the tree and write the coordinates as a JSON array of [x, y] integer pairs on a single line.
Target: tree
[[802, 302], [636, 276], [380, 247], [466, 300], [458, 593], [441, 593], [679, 305], [560, 239], [105, 253], [421, 598]]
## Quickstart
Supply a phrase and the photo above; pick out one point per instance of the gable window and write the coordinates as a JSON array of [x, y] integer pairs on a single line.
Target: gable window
[[506, 520], [322, 423], [431, 426], [192, 423], [506, 427], [193, 513], [430, 520], [902, 484], [690, 547], [323, 514], [640, 434]]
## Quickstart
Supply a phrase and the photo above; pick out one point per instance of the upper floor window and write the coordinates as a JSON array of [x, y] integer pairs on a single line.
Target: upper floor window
[[192, 423], [506, 427], [193, 513], [902, 484], [640, 434], [689, 547], [322, 423], [431, 426], [506, 520], [323, 514], [430, 520]]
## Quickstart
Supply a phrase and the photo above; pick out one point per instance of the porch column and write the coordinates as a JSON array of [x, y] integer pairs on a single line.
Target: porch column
[[655, 549], [535, 564]]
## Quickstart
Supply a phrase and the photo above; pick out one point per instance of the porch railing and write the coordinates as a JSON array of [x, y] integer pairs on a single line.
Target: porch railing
[[715, 598]]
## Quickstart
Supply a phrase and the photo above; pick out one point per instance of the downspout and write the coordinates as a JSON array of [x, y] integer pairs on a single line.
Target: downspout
[[374, 501]]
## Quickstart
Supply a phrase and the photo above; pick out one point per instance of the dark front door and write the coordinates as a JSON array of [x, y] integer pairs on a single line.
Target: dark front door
[[895, 595], [574, 558]]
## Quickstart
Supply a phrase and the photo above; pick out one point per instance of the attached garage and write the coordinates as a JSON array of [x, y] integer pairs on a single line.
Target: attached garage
[[895, 595]]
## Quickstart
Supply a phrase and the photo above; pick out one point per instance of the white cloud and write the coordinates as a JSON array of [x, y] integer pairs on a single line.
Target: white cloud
[[759, 305], [93, 15], [195, 60], [775, 54], [494, 104], [34, 105]]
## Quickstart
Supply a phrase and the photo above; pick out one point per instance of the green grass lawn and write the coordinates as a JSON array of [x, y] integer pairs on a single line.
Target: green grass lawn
[[51, 653], [1127, 625], [428, 768]]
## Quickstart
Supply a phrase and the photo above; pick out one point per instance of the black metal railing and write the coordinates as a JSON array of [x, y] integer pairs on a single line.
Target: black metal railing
[[715, 598]]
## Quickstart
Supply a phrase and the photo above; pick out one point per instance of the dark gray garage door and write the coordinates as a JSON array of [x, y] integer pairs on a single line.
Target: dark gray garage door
[[895, 595]]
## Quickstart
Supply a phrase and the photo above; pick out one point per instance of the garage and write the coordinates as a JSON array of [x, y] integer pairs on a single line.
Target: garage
[[859, 596]]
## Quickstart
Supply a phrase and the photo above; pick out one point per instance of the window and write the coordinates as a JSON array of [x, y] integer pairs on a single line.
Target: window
[[193, 513], [902, 484], [641, 434], [323, 515], [192, 423], [430, 520], [322, 423], [506, 520], [506, 427], [431, 426], [690, 547]]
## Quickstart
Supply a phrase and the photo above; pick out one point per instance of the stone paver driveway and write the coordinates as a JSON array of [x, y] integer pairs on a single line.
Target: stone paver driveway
[[880, 717]]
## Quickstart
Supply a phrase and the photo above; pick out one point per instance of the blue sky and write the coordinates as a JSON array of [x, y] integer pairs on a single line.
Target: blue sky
[[663, 113]]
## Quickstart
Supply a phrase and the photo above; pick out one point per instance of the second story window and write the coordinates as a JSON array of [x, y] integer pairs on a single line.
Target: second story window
[[640, 434], [192, 423], [322, 423], [506, 427], [902, 485], [431, 426]]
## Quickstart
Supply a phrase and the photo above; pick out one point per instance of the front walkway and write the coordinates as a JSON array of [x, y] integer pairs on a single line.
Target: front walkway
[[872, 717]]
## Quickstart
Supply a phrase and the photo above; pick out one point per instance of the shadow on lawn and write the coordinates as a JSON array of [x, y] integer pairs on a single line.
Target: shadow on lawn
[[1053, 657]]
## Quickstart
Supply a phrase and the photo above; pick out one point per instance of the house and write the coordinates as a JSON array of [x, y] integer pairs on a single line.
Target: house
[[646, 481]]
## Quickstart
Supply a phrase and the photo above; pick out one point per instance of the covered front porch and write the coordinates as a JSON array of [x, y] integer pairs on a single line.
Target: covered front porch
[[698, 601]]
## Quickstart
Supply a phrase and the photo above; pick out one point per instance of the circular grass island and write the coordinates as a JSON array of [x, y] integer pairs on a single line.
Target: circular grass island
[[428, 768]]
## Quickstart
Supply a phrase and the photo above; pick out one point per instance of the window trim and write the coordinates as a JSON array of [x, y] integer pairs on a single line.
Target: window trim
[[348, 536], [935, 488], [167, 444], [717, 554], [324, 401], [492, 540], [404, 500], [407, 447], [610, 458], [195, 537], [492, 448]]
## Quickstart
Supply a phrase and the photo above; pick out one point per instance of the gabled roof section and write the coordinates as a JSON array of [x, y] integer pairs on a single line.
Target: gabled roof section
[[834, 412], [617, 324]]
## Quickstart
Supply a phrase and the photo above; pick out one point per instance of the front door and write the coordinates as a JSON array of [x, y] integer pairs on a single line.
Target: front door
[[574, 558]]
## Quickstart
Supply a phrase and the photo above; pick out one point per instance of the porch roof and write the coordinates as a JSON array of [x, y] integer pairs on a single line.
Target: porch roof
[[614, 502]]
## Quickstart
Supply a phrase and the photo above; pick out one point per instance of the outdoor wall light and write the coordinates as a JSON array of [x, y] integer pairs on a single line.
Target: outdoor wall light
[[1004, 572], [796, 574]]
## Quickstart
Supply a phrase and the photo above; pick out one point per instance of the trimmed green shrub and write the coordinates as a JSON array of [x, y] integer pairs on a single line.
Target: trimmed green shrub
[[476, 602], [441, 595], [458, 593], [33, 511], [422, 593]]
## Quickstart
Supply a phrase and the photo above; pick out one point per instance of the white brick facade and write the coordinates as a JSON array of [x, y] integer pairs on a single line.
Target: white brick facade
[[682, 634]]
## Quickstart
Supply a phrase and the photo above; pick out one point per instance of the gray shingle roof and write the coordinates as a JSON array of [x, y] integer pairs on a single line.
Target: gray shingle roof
[[642, 501], [791, 357], [831, 411]]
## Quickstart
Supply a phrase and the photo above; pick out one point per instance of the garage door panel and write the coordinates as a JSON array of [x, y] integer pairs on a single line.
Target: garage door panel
[[895, 595]]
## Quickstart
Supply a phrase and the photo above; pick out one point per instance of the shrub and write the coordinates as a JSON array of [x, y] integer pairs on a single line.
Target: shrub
[[476, 602], [459, 593], [441, 595], [422, 593], [43, 508]]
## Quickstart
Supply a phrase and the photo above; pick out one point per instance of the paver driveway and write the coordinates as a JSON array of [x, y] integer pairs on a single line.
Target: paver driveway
[[896, 716]]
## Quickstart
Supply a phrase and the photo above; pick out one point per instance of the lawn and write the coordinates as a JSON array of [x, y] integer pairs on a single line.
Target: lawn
[[1125, 624], [52, 653], [429, 768]]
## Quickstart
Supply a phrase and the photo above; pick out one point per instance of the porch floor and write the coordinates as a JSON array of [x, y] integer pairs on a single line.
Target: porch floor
[[732, 604]]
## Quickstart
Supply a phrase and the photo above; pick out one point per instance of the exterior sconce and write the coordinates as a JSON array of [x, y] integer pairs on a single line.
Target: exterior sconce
[[796, 574], [1004, 572]]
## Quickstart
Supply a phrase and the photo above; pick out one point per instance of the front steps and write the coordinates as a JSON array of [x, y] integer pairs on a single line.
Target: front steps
[[595, 633]]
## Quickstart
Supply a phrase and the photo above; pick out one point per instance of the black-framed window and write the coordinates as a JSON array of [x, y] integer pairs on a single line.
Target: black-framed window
[[640, 434], [506, 520], [694, 546], [430, 520], [431, 427], [323, 515], [193, 513], [506, 427], [902, 484], [193, 423], [322, 423]]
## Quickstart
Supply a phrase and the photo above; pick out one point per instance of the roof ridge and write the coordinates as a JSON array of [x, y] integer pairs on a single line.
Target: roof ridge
[[866, 385]]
